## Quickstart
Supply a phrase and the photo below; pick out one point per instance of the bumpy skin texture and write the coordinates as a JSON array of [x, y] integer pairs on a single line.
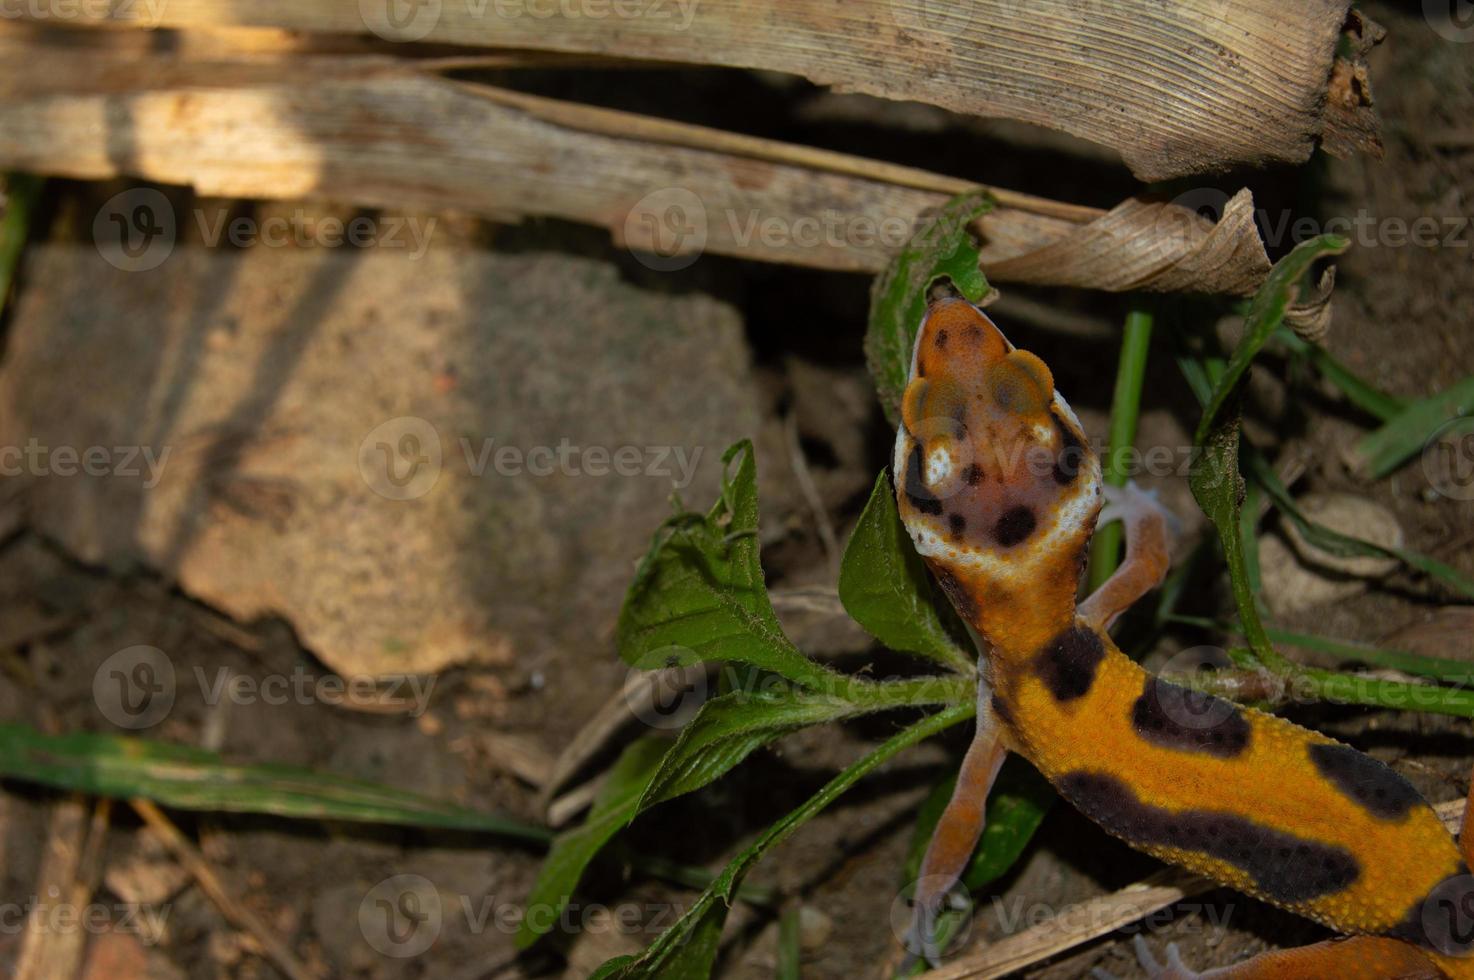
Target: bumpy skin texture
[[1000, 493]]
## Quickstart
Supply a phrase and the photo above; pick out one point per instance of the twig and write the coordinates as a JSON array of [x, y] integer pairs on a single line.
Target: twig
[[45, 950], [240, 916], [810, 492]]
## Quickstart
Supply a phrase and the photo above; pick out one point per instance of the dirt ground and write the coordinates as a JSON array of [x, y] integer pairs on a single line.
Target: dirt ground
[[1402, 319]]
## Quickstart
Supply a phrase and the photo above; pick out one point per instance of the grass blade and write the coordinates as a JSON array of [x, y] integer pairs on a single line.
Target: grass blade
[[192, 779], [1404, 436], [1105, 549]]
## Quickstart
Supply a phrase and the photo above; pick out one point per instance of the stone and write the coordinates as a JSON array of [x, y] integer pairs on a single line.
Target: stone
[[417, 460]]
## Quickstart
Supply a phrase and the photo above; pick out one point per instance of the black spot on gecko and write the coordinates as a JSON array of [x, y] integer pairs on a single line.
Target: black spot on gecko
[[1285, 868], [1175, 717], [972, 474], [921, 498], [1067, 664], [1014, 526], [1443, 919], [1001, 709], [1365, 781], [1071, 453], [956, 524], [941, 340]]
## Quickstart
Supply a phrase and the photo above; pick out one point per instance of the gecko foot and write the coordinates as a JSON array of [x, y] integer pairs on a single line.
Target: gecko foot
[[1175, 969], [1131, 502], [934, 895]]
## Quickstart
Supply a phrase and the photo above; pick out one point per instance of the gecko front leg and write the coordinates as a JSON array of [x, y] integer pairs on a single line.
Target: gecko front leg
[[1149, 531], [957, 832]]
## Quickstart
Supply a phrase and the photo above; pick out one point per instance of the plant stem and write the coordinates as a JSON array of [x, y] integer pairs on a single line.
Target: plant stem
[[1417, 664], [911, 692], [1105, 549]]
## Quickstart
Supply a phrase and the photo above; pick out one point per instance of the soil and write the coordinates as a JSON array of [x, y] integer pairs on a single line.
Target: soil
[[1402, 316]]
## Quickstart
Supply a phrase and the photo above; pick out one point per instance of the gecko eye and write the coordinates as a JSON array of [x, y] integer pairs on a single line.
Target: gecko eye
[[1021, 384]]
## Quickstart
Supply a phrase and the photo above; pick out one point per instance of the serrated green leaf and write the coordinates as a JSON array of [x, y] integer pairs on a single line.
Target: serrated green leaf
[[699, 595], [942, 247], [884, 586], [729, 728], [186, 778], [688, 948], [1214, 478], [615, 806]]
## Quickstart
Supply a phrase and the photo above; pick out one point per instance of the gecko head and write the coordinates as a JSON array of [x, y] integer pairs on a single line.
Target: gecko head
[[995, 481]]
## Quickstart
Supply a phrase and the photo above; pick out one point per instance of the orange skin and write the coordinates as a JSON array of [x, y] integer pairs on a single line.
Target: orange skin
[[1000, 493]]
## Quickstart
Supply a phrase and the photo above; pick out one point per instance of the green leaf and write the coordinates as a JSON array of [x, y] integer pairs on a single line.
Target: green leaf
[[1266, 312], [942, 247], [688, 948], [790, 951], [185, 778], [699, 594], [615, 806], [1407, 433], [22, 196], [1214, 478], [884, 586], [729, 728]]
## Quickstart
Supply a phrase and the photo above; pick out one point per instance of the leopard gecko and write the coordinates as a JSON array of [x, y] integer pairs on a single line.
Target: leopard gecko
[[1000, 493]]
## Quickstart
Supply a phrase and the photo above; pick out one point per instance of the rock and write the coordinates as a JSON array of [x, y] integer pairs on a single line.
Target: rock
[[1297, 576], [1446, 632], [122, 956], [416, 461], [146, 874]]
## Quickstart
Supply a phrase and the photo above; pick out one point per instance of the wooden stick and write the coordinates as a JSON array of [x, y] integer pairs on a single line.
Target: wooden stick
[[376, 131], [236, 913]]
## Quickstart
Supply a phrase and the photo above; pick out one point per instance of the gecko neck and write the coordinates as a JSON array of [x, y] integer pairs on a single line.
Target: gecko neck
[[1011, 625]]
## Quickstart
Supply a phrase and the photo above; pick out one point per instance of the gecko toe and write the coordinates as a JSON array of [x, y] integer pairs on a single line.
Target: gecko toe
[[1175, 968]]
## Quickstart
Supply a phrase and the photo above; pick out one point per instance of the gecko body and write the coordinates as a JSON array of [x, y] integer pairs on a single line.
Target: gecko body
[[1000, 493]]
